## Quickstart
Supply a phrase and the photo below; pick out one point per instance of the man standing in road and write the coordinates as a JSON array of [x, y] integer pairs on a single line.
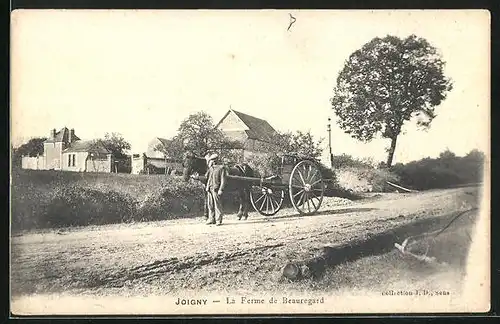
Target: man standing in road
[[216, 182]]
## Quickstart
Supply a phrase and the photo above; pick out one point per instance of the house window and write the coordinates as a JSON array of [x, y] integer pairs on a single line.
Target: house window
[[74, 157], [69, 159]]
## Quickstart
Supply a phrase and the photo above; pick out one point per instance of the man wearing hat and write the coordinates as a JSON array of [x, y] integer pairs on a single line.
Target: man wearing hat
[[216, 182]]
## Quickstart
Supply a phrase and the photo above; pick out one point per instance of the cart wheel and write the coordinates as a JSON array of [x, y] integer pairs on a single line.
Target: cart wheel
[[267, 201], [306, 187]]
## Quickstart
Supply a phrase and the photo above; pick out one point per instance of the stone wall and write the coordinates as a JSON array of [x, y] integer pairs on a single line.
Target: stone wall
[[100, 164]]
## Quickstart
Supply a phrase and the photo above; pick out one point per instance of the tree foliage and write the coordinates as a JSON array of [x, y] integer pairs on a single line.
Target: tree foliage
[[171, 148], [445, 171], [299, 142], [32, 148], [348, 161], [198, 134], [305, 144], [386, 83], [115, 143]]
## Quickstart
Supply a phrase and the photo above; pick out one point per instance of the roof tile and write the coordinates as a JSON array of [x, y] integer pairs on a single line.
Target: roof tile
[[86, 146]]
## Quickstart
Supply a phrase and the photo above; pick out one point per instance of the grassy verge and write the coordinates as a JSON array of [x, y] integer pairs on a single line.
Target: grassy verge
[[42, 199]]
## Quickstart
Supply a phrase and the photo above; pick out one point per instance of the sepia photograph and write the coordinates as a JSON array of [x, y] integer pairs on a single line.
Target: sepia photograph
[[239, 162]]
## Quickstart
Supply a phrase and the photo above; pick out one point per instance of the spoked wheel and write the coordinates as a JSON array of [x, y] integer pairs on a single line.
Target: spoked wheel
[[267, 201], [306, 187]]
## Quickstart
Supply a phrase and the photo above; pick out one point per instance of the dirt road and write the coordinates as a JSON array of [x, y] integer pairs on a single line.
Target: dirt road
[[164, 257]]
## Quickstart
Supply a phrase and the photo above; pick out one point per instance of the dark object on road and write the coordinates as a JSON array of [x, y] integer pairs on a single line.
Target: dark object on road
[[291, 271], [310, 268]]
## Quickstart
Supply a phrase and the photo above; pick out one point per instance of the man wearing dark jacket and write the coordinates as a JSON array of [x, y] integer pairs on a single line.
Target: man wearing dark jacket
[[216, 182]]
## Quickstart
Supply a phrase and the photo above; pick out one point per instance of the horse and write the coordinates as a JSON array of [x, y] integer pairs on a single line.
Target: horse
[[194, 167]]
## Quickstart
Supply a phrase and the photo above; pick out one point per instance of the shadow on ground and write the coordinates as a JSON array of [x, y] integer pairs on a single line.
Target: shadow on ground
[[295, 215], [448, 247]]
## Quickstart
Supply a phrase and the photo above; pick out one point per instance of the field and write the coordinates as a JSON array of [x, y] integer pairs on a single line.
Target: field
[[167, 258]]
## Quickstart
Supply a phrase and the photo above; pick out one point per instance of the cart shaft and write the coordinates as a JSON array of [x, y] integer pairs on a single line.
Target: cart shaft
[[262, 181]]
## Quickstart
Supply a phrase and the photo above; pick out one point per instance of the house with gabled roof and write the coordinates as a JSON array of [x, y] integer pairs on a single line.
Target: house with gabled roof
[[64, 150], [255, 134], [87, 156]]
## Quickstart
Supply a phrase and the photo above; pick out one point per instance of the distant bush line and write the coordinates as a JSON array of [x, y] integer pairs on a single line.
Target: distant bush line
[[448, 170]]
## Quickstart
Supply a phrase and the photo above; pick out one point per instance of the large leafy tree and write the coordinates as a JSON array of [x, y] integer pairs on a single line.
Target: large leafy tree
[[386, 83], [198, 134]]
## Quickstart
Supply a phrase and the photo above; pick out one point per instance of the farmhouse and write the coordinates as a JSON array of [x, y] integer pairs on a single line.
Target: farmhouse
[[253, 133], [153, 161], [64, 150]]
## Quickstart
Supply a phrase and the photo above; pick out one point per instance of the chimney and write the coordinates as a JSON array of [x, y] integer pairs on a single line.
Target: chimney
[[53, 133], [71, 135]]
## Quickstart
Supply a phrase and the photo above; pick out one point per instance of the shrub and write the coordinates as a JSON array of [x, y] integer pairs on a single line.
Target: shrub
[[378, 178], [72, 205], [58, 198], [25, 208], [172, 200], [447, 170], [366, 179], [346, 161], [332, 188]]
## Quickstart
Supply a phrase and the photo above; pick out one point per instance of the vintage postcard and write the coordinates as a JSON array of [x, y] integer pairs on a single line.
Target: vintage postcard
[[168, 162]]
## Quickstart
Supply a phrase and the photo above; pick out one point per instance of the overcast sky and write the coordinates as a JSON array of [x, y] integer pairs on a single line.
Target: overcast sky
[[140, 73]]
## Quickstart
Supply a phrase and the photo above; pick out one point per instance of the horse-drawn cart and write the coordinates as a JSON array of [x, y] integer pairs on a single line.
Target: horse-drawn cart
[[300, 177]]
